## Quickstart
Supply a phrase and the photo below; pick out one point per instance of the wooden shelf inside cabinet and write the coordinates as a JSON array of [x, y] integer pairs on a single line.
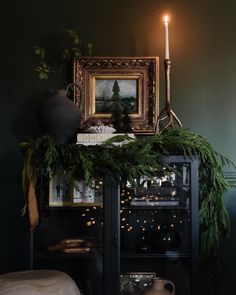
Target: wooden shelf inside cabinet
[[155, 255], [94, 206], [154, 208], [65, 256]]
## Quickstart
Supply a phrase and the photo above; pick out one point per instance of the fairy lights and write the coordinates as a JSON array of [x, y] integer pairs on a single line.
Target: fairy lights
[[153, 222]]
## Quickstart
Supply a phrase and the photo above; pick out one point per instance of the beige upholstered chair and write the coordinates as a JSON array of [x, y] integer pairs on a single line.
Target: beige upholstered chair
[[37, 282]]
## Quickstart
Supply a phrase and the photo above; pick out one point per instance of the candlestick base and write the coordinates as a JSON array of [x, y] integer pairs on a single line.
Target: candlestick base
[[167, 117]]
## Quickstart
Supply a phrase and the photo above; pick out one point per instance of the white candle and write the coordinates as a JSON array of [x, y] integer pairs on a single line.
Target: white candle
[[167, 49]]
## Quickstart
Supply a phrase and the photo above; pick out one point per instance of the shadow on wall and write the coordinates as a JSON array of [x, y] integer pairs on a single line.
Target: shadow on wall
[[26, 122], [13, 254]]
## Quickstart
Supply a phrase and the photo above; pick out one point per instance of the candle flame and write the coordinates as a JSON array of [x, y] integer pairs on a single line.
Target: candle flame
[[166, 19]]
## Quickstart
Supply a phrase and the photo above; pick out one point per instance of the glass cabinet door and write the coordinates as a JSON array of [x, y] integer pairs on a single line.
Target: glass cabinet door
[[70, 235], [159, 229]]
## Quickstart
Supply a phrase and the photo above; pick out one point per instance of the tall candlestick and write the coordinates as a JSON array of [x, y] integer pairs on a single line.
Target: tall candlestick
[[167, 49], [167, 117]]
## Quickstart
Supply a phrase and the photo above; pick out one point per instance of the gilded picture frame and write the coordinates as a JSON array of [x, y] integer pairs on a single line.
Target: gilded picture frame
[[137, 79]]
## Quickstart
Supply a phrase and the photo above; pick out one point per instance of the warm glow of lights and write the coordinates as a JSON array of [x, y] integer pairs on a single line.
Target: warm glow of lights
[[166, 19]]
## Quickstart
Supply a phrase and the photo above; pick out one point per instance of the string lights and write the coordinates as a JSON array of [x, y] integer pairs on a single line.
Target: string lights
[[152, 222]]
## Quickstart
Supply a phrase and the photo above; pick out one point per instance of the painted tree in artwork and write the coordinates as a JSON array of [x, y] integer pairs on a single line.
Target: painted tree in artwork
[[116, 108], [126, 122]]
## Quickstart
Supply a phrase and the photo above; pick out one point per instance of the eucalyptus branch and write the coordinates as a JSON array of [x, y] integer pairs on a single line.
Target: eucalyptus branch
[[46, 69]]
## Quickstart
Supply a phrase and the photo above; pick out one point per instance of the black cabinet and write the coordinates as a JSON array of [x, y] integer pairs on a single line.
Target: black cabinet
[[135, 232]]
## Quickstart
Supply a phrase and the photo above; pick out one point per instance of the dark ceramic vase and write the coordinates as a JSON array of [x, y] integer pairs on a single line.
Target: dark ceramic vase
[[60, 117], [160, 287]]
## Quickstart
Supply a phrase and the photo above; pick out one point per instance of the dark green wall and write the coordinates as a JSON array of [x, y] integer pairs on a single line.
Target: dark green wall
[[203, 46]]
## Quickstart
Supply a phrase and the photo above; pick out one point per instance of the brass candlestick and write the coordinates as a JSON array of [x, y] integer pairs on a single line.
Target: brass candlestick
[[167, 117]]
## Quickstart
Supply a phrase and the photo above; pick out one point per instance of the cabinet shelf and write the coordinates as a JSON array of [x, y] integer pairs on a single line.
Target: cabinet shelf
[[154, 208], [74, 207], [65, 256], [155, 255]]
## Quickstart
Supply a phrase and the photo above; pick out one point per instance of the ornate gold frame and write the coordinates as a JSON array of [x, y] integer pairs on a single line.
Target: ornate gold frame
[[144, 69]]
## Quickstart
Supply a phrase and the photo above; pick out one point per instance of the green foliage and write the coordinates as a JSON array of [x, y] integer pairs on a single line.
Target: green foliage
[[75, 51], [46, 68], [144, 156], [42, 69], [214, 219]]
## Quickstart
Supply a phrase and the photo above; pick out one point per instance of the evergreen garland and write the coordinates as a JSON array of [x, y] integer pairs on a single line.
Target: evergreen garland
[[144, 156]]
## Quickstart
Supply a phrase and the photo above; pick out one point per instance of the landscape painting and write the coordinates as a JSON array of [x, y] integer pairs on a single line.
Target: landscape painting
[[109, 90], [112, 86]]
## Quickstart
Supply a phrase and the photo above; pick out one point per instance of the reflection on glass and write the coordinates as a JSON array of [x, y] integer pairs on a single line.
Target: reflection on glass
[[167, 189], [88, 194]]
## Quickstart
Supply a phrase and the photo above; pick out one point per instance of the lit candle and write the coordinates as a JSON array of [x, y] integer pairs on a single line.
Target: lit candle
[[167, 50]]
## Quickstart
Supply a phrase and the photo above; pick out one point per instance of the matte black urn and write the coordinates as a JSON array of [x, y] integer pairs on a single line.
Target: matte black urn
[[60, 117]]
